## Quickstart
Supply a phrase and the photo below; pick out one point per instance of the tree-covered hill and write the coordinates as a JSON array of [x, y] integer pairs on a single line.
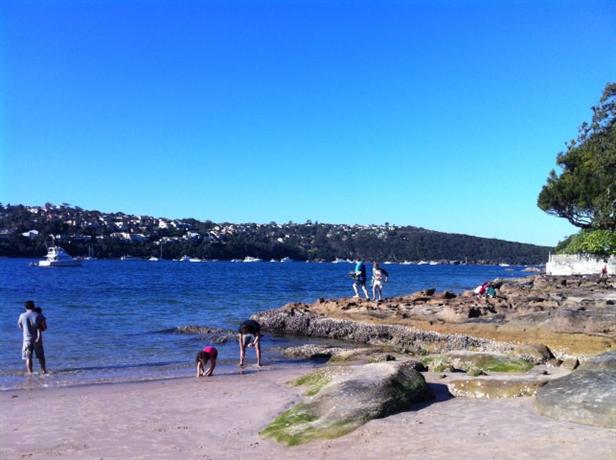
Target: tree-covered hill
[[25, 230]]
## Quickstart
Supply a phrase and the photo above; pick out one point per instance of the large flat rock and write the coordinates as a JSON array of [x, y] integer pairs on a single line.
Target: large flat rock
[[587, 395]]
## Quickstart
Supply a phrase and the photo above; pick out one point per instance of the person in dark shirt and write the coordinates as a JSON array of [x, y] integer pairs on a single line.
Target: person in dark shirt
[[250, 336]]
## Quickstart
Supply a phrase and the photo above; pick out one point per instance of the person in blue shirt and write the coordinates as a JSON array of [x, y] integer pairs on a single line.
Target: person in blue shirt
[[360, 278]]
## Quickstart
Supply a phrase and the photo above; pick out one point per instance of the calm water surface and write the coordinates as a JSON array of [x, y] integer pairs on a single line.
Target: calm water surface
[[110, 320]]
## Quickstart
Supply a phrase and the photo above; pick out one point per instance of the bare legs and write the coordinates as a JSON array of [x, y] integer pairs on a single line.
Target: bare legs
[[256, 343], [363, 287]]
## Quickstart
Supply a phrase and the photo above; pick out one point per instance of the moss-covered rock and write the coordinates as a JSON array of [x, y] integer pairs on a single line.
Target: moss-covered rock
[[345, 397], [475, 362]]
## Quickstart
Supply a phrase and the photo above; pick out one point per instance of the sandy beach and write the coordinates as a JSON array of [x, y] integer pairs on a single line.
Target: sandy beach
[[220, 418]]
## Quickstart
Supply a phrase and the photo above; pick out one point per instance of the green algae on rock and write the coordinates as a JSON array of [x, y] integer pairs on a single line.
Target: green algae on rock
[[346, 397], [477, 362]]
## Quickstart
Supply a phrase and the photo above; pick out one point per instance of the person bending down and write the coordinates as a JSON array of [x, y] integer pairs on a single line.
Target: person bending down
[[207, 354], [250, 336]]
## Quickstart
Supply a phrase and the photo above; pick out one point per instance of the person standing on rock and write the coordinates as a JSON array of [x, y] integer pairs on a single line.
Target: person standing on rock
[[32, 324], [360, 277], [250, 336], [379, 278]]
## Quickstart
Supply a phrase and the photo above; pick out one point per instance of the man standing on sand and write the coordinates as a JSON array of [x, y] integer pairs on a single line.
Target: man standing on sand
[[32, 323]]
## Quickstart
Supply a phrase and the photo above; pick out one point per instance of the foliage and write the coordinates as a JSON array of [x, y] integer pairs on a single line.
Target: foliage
[[585, 191], [600, 242]]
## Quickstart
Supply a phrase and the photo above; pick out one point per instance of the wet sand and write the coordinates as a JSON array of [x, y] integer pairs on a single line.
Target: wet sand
[[220, 418]]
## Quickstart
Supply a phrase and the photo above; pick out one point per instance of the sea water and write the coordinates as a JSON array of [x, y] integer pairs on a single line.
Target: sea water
[[113, 321]]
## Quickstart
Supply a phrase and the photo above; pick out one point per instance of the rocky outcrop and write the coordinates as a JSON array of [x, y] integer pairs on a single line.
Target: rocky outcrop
[[301, 321], [573, 316], [341, 398], [492, 388], [587, 395], [212, 334]]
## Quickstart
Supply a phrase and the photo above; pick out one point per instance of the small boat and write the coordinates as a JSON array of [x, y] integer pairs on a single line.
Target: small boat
[[286, 259], [130, 258], [194, 259], [504, 265], [153, 259], [251, 259], [422, 262], [184, 259], [57, 257], [433, 262]]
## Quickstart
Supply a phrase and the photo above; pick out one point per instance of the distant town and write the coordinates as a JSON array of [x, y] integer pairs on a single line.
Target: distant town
[[26, 231]]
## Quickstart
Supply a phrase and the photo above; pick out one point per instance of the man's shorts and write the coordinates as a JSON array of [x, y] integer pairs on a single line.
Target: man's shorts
[[30, 346]]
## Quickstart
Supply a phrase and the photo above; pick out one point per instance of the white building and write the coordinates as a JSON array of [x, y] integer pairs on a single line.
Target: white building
[[579, 264]]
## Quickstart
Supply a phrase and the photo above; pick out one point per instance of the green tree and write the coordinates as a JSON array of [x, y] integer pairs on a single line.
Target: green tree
[[584, 192]]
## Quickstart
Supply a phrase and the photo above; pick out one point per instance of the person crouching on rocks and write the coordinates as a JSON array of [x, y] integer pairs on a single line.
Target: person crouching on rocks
[[207, 354], [250, 336]]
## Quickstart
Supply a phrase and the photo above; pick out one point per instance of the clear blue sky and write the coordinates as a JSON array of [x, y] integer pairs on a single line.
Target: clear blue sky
[[441, 114]]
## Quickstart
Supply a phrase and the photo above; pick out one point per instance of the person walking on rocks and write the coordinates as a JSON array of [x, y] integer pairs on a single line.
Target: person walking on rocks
[[250, 336], [32, 324], [379, 278], [360, 277]]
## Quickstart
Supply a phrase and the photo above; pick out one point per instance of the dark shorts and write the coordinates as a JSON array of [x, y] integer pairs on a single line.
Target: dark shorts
[[30, 346], [360, 281]]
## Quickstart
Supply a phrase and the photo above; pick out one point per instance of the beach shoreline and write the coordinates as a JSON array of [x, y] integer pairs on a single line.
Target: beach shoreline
[[221, 417]]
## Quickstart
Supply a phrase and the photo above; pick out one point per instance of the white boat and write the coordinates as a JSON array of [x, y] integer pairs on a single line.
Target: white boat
[[57, 257], [504, 265], [251, 259], [286, 259], [194, 259], [433, 262], [153, 259], [422, 262], [130, 258], [184, 259]]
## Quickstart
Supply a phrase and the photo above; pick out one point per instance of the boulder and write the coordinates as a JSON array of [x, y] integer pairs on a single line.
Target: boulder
[[586, 396], [341, 398], [494, 388], [535, 352]]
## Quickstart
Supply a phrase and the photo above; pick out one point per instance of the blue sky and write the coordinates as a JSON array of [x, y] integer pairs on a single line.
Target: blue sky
[[440, 114]]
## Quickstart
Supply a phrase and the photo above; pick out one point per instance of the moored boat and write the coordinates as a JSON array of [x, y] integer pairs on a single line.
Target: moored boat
[[58, 257]]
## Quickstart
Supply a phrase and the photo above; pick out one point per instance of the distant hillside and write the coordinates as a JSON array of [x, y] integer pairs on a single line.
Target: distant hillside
[[25, 230]]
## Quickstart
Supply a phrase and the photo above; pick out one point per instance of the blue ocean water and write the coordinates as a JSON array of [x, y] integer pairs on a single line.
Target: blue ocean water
[[110, 320]]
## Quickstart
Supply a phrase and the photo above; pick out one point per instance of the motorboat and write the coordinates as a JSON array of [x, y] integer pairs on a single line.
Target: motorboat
[[251, 259], [184, 259], [194, 259], [57, 257], [153, 259], [130, 258], [286, 259]]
